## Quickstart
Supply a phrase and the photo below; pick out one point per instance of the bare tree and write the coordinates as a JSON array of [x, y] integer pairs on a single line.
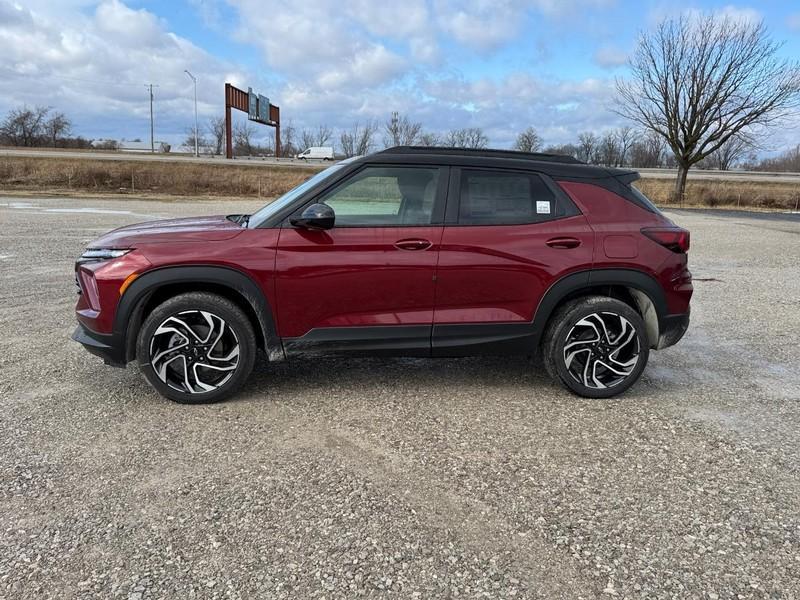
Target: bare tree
[[588, 148], [528, 141], [727, 155], [57, 127], [243, 134], [358, 140], [787, 161], [321, 137], [400, 131], [564, 149], [698, 81], [188, 142], [626, 136], [216, 129], [647, 151], [24, 126], [428, 139], [289, 140], [608, 150], [470, 137]]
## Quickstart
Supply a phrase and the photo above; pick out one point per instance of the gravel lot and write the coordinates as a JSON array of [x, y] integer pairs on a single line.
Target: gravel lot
[[473, 478]]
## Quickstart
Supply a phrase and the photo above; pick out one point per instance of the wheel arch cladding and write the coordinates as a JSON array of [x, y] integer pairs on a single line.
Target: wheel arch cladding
[[160, 284], [645, 293]]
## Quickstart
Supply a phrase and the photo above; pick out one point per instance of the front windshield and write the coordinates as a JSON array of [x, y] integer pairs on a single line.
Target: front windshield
[[279, 203]]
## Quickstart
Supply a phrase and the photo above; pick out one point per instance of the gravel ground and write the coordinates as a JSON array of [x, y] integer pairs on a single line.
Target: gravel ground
[[473, 478]]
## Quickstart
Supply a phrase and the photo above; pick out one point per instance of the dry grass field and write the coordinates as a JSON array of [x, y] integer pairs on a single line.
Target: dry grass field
[[164, 179], [145, 178], [725, 194]]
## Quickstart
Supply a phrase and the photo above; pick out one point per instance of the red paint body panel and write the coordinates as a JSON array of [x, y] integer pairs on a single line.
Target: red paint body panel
[[352, 276], [610, 216], [491, 274]]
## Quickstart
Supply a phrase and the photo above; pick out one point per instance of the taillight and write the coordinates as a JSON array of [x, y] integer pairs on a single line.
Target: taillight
[[673, 238]]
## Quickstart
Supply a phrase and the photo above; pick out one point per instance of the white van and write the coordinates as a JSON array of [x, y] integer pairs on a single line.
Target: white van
[[317, 152]]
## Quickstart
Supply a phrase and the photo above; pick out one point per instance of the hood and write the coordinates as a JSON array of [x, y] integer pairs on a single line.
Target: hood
[[192, 229]]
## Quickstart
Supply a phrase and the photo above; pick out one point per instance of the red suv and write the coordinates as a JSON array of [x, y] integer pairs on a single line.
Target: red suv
[[411, 251]]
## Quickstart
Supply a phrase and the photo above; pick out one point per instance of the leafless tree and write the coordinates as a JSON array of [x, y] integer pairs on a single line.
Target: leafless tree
[[626, 136], [698, 81], [24, 126], [564, 149], [401, 131], [786, 161], [528, 141], [608, 150], [216, 129], [357, 141], [428, 139], [243, 134], [322, 136], [647, 151], [57, 127], [188, 142], [470, 137], [289, 140], [588, 148], [727, 155]]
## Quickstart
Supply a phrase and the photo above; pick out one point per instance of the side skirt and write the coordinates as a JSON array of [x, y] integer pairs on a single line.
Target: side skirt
[[491, 339], [391, 340], [416, 340]]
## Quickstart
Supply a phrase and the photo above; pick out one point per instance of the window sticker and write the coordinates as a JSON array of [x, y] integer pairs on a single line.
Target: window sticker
[[542, 207]]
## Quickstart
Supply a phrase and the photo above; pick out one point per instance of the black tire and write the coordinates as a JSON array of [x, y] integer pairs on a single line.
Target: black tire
[[576, 322], [235, 348]]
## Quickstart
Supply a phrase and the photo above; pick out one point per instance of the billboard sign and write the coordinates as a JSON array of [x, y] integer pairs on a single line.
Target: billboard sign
[[252, 101], [263, 109]]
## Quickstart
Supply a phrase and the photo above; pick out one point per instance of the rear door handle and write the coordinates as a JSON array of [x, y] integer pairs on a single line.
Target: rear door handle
[[563, 242], [413, 244]]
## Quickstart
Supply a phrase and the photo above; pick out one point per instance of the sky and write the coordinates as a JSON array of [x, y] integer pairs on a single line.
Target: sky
[[501, 65]]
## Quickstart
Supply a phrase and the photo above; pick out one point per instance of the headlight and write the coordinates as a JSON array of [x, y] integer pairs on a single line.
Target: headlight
[[100, 254]]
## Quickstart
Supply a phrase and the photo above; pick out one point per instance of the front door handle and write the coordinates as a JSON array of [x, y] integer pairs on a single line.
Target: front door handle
[[413, 244], [563, 242]]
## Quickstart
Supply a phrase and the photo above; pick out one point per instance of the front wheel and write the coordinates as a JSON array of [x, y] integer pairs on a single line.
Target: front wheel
[[196, 348], [596, 346]]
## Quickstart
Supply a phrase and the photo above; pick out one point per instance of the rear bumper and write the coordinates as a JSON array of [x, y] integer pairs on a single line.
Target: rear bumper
[[106, 346], [673, 328]]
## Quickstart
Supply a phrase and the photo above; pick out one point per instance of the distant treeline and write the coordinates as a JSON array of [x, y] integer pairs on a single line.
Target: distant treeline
[[42, 126]]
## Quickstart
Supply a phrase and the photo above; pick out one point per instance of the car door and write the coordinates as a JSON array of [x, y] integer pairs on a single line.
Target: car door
[[508, 236], [367, 283]]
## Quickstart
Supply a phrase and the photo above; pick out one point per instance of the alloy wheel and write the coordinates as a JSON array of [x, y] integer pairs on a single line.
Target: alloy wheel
[[601, 350], [194, 351]]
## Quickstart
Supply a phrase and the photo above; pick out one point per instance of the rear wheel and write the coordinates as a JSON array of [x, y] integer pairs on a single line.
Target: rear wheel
[[196, 348], [596, 346]]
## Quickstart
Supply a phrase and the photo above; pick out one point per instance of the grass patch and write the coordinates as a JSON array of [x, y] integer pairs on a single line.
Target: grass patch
[[142, 177], [759, 195]]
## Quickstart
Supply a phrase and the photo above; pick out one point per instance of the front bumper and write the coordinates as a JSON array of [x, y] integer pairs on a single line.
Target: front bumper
[[107, 346], [673, 328]]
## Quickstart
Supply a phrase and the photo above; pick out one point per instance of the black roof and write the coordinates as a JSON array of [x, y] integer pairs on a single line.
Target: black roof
[[488, 152], [555, 165]]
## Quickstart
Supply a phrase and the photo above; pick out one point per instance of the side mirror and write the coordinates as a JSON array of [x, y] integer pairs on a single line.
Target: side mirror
[[317, 217]]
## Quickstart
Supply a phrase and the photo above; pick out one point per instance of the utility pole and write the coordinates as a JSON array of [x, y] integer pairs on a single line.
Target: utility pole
[[196, 133], [150, 86]]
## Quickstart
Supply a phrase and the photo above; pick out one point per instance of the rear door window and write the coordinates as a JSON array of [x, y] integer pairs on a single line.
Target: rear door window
[[506, 198]]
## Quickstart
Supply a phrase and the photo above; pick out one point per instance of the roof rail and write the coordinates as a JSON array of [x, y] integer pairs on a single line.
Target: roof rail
[[446, 151]]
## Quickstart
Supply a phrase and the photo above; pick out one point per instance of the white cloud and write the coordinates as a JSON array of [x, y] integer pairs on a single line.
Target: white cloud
[[793, 21], [94, 66], [610, 56]]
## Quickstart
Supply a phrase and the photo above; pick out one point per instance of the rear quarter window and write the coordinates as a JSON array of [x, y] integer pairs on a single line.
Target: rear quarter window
[[506, 198]]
